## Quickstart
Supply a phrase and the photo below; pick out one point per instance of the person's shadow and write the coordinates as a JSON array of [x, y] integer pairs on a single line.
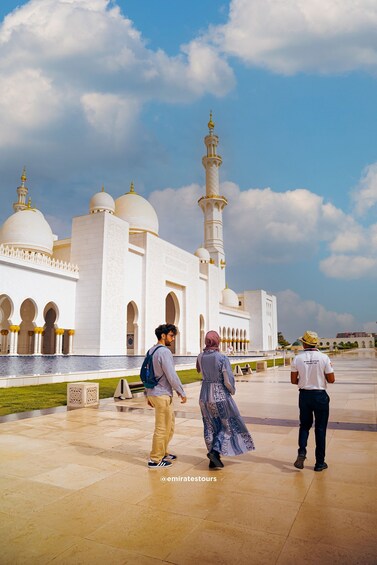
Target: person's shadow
[[283, 466]]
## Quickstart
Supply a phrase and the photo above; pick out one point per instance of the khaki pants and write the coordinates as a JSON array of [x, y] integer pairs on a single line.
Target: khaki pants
[[164, 425]]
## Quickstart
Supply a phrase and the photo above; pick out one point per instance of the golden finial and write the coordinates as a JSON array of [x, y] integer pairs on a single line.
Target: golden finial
[[103, 188], [23, 176], [29, 204], [132, 188], [211, 124]]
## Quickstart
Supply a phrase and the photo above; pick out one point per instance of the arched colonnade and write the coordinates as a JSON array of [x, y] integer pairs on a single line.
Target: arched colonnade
[[21, 334]]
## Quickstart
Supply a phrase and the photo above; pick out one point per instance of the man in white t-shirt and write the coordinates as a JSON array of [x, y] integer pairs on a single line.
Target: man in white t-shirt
[[311, 370]]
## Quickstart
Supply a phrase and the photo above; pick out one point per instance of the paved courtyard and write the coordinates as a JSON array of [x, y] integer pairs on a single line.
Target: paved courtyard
[[75, 488]]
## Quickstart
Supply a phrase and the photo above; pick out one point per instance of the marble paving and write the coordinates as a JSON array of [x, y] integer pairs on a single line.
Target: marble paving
[[75, 488]]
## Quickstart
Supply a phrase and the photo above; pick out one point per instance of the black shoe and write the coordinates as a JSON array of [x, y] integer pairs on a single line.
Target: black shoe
[[320, 466], [212, 465], [214, 457], [160, 465], [299, 463], [169, 457]]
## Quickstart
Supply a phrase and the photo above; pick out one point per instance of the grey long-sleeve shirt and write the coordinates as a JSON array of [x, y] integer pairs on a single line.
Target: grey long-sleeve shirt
[[163, 365]]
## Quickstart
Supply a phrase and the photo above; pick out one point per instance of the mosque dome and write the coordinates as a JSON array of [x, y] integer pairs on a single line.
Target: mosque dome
[[229, 298], [27, 229], [203, 254], [102, 202], [137, 211]]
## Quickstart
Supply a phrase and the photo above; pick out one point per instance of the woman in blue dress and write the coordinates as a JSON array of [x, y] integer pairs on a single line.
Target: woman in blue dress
[[225, 432]]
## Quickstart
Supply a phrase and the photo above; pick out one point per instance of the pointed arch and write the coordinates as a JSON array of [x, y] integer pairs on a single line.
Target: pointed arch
[[28, 313], [6, 313], [172, 315], [51, 316], [132, 337]]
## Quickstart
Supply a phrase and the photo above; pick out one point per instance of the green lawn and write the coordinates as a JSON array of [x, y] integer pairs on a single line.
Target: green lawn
[[38, 397]]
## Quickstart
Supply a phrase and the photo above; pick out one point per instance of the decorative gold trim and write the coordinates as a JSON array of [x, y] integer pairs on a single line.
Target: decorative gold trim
[[211, 124]]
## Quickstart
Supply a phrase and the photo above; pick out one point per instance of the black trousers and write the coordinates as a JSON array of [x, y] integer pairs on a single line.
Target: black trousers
[[313, 403]]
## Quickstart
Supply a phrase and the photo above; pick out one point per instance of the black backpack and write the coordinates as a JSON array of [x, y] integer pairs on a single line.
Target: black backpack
[[147, 371]]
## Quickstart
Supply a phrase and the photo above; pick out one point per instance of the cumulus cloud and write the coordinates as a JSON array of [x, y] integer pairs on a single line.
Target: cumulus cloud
[[180, 219], [365, 194], [266, 227], [74, 58], [349, 266], [278, 227], [353, 251], [296, 315], [301, 35]]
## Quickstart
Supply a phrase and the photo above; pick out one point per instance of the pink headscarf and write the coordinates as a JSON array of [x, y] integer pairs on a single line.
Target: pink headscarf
[[212, 341]]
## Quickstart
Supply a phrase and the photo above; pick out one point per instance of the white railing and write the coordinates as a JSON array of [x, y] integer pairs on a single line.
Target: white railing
[[37, 258]]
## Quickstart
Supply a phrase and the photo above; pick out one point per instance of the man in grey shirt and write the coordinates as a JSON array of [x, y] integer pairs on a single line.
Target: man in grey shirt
[[161, 397]]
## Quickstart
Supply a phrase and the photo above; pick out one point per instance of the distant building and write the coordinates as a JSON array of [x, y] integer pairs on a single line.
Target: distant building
[[363, 340], [353, 334]]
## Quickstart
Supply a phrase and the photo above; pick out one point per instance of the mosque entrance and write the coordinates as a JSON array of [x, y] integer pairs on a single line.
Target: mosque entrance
[[172, 317]]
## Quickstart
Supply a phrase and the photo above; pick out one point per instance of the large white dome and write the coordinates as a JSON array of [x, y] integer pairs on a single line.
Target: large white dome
[[102, 202], [27, 229], [229, 298], [138, 212]]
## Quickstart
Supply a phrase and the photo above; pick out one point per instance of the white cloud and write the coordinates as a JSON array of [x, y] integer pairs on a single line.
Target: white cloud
[[296, 315], [263, 226], [365, 194], [277, 227], [111, 116], [301, 35], [349, 266], [28, 101], [75, 57], [180, 219]]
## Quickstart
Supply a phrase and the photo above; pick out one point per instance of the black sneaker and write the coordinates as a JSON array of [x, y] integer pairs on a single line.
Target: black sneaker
[[320, 466], [214, 457], [169, 457], [162, 463], [299, 463]]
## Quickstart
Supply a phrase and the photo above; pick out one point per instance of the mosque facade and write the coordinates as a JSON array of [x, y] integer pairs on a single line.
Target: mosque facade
[[104, 290]]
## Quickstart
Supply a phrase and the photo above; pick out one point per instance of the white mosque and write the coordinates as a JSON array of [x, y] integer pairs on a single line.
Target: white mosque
[[105, 289]]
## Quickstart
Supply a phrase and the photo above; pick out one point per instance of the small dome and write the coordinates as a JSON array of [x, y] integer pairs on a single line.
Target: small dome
[[229, 298], [203, 254], [137, 211], [102, 202], [27, 229]]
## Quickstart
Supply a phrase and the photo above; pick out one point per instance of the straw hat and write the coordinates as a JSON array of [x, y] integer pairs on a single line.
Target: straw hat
[[310, 338]]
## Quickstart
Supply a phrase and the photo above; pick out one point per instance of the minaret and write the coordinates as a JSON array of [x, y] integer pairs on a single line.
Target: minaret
[[212, 203], [22, 193]]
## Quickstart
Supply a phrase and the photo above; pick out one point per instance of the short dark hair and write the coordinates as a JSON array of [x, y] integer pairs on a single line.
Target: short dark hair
[[165, 329]]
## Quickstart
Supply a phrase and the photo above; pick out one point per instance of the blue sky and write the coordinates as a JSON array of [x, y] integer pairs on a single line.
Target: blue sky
[[95, 92]]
